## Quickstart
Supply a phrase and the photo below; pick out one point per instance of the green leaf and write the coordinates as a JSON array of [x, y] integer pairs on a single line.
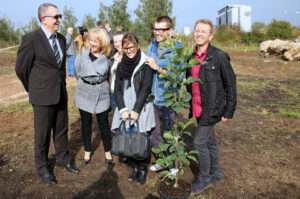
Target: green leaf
[[167, 84], [181, 124], [165, 172], [176, 108], [179, 51], [191, 79], [163, 146], [193, 152], [168, 94], [164, 45], [194, 62], [170, 159], [171, 149], [188, 97], [180, 150], [168, 103], [176, 61], [187, 133], [162, 76], [160, 161], [191, 121], [190, 52], [181, 171], [185, 105], [168, 136], [192, 158], [155, 150]]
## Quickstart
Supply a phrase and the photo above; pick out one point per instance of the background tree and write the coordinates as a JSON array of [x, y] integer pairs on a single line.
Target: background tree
[[7, 33], [103, 13], [116, 14], [89, 21], [31, 26], [258, 26], [278, 29], [146, 12], [68, 20]]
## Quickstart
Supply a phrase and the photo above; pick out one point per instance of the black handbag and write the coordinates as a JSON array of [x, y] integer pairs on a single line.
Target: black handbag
[[131, 144]]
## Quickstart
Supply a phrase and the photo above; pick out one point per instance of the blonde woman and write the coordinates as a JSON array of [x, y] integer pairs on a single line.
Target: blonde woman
[[92, 92]]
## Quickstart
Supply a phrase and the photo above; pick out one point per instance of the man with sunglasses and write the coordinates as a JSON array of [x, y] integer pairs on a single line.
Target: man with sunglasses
[[163, 25], [40, 66]]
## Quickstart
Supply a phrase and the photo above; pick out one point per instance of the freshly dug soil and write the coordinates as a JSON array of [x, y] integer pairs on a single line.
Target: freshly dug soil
[[167, 187]]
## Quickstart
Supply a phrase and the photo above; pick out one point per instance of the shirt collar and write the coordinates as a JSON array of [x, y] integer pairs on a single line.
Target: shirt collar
[[202, 54], [47, 33]]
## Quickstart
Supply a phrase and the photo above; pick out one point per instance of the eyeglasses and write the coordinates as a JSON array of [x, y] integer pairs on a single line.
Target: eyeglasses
[[160, 30], [55, 16], [131, 48], [201, 31]]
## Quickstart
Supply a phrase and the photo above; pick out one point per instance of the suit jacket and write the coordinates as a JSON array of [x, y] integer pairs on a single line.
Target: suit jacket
[[70, 45], [38, 70]]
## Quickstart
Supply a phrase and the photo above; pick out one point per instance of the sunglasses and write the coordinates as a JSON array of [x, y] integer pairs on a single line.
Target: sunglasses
[[55, 16]]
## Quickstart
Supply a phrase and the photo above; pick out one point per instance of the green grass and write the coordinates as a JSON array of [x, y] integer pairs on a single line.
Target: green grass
[[10, 51], [16, 107], [289, 113]]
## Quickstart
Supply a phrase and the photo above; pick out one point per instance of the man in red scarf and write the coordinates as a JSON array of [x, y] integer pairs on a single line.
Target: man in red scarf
[[213, 100]]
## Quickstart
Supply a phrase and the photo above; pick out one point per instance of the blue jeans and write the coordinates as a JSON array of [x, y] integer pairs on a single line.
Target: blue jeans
[[113, 102], [71, 62]]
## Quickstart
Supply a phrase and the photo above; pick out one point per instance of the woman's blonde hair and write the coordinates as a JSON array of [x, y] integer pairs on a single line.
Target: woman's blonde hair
[[102, 36]]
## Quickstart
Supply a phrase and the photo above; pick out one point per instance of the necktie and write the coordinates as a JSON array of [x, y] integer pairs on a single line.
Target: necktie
[[55, 49]]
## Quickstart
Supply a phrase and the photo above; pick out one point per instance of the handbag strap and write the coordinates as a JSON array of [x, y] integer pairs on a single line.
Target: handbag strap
[[124, 129]]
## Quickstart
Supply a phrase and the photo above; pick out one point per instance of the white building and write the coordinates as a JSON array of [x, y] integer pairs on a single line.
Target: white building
[[186, 30], [235, 15]]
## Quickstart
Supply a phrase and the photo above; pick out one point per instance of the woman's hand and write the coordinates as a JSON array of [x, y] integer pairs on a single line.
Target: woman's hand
[[125, 115], [134, 116], [151, 62]]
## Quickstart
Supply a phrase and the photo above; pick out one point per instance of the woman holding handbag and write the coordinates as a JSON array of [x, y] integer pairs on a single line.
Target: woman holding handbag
[[133, 90], [92, 92]]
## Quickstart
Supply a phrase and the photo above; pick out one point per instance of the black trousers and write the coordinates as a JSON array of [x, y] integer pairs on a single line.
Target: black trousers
[[86, 126], [46, 118]]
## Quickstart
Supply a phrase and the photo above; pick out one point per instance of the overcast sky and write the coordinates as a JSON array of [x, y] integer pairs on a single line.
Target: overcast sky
[[186, 11]]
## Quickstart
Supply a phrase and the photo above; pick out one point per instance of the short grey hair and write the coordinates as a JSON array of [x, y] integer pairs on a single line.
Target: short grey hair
[[44, 8], [69, 29]]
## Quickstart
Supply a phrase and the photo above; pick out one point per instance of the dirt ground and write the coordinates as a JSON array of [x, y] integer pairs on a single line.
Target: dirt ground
[[259, 147]]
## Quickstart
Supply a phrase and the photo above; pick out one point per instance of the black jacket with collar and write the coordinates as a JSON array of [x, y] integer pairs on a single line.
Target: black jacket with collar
[[218, 87], [38, 70], [142, 81]]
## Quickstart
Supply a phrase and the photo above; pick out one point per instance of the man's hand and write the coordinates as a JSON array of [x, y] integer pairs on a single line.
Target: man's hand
[[224, 119], [134, 116], [151, 62], [125, 115]]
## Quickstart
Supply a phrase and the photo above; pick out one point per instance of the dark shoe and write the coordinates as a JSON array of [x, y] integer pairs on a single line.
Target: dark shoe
[[141, 177], [86, 161], [133, 176], [215, 179], [49, 178], [71, 167], [109, 161], [199, 186]]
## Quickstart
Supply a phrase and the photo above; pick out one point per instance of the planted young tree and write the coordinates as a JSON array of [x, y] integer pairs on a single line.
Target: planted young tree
[[178, 98]]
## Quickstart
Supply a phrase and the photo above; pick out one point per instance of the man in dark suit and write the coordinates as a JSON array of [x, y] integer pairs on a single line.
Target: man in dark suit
[[40, 66]]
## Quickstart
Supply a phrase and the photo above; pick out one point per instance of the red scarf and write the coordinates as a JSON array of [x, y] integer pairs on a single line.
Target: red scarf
[[196, 95]]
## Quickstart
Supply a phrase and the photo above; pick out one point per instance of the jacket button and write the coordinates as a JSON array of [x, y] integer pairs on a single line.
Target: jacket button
[[213, 67]]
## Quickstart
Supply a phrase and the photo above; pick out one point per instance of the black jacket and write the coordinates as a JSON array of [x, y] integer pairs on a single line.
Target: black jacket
[[142, 81], [38, 70], [218, 88]]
